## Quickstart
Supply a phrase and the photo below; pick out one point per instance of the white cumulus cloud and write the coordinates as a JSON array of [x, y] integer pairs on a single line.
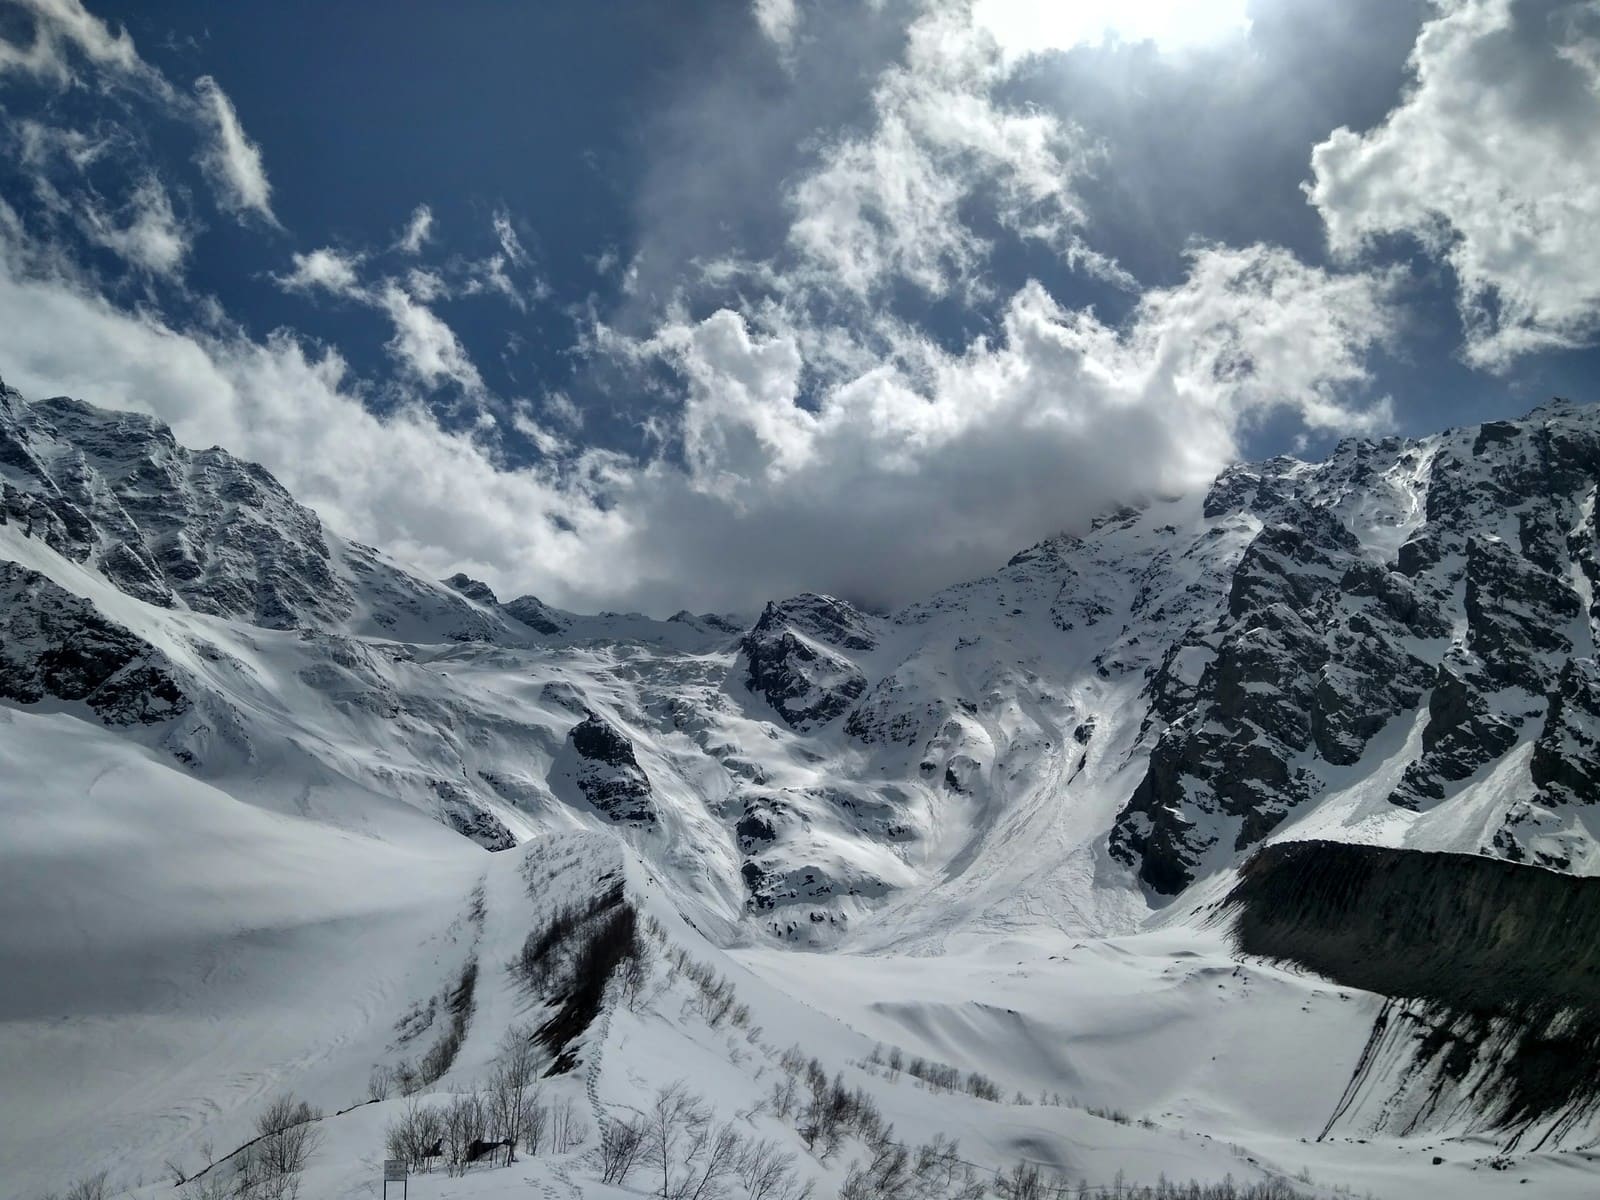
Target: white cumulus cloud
[[1489, 161], [1028, 27], [778, 20], [888, 203], [424, 345], [802, 431], [896, 480], [147, 233], [324, 268]]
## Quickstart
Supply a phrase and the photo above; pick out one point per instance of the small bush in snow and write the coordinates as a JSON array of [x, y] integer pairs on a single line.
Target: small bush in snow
[[213, 1185], [1026, 1181], [90, 1187]]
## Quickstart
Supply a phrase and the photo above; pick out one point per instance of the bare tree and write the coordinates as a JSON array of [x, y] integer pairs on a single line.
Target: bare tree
[[415, 1136], [767, 1172], [785, 1094], [567, 1127], [90, 1187], [535, 1122], [693, 1159], [940, 1171], [379, 1083], [466, 1121], [934, 1171], [406, 1077], [516, 1071], [675, 1118], [213, 1185], [621, 1144], [713, 1158], [288, 1138], [1025, 1181]]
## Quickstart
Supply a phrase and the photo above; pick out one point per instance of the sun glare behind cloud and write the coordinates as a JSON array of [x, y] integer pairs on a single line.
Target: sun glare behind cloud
[[1024, 27]]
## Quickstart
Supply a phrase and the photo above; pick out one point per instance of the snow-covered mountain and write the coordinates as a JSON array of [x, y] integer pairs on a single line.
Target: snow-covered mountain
[[251, 766]]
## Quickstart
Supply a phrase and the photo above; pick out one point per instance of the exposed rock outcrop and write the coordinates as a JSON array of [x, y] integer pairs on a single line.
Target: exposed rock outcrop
[[609, 774], [795, 658], [54, 645]]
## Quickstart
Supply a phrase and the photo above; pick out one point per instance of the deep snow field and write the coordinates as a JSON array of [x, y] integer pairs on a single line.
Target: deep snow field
[[235, 953], [917, 834]]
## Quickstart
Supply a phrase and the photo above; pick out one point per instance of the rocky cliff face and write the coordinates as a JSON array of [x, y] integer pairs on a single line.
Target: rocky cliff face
[[169, 526], [56, 646], [1471, 612], [1397, 639]]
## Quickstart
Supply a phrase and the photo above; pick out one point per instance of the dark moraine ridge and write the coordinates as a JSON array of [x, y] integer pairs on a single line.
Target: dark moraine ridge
[[1498, 964], [1478, 934]]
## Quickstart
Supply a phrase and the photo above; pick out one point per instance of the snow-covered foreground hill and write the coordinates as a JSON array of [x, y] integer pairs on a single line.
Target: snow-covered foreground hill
[[268, 798]]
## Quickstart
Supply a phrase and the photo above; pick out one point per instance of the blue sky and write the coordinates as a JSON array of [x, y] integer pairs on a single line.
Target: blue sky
[[644, 305]]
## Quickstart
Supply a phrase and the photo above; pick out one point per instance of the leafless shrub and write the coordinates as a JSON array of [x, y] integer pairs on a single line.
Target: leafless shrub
[[633, 978], [466, 1122], [213, 1185], [90, 1187], [415, 1136], [407, 1078], [1025, 1182], [443, 1053], [831, 1112], [785, 1095], [933, 1171], [379, 1083], [1110, 1114], [693, 1157]]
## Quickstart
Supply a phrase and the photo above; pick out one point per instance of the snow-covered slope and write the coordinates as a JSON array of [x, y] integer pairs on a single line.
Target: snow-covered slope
[[254, 773]]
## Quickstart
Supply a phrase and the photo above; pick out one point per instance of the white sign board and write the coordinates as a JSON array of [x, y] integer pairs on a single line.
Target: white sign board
[[394, 1169]]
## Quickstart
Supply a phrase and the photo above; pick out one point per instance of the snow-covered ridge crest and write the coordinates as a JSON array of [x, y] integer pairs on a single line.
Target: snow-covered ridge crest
[[1396, 642]]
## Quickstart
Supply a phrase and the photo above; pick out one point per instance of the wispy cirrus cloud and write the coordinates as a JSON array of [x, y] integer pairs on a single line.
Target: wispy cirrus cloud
[[231, 159], [61, 27], [418, 231]]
